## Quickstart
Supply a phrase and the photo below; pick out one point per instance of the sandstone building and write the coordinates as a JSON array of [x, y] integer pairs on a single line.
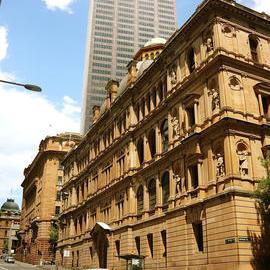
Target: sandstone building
[[9, 226], [166, 172], [41, 202]]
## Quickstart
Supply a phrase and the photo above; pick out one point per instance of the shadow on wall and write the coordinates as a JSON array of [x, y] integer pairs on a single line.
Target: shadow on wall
[[260, 244]]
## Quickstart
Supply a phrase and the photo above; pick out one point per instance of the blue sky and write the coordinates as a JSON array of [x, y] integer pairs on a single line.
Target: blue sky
[[43, 42]]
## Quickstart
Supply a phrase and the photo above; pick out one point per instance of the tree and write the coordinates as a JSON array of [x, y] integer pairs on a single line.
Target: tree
[[263, 190], [261, 243], [54, 234]]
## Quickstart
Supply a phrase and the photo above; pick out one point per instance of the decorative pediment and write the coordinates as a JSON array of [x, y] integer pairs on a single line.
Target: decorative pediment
[[262, 88]]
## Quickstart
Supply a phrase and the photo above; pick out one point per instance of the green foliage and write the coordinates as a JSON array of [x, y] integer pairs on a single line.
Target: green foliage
[[263, 189], [54, 233]]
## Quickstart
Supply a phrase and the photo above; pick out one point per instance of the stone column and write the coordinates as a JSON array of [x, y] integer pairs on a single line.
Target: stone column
[[72, 227], [157, 96], [158, 140], [170, 131], [228, 156], [151, 100], [147, 154], [158, 194], [145, 197], [196, 112], [172, 186], [132, 154], [73, 199]]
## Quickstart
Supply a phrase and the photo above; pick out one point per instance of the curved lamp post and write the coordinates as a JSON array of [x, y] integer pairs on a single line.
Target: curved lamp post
[[30, 87]]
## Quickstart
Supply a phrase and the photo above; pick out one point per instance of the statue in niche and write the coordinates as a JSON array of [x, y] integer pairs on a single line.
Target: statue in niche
[[209, 44], [178, 182], [215, 98], [220, 166], [243, 162], [173, 76], [176, 127]]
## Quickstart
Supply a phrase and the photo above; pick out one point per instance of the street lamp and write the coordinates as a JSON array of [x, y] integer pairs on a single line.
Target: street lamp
[[30, 87]]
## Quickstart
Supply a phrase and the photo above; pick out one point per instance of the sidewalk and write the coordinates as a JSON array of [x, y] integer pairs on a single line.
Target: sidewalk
[[48, 267], [25, 264]]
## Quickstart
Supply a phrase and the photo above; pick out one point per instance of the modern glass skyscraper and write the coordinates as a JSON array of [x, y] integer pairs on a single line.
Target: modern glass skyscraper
[[116, 30]]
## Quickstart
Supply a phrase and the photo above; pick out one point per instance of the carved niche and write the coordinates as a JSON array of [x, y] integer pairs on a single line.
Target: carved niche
[[208, 40], [172, 75], [235, 83], [175, 123], [213, 91]]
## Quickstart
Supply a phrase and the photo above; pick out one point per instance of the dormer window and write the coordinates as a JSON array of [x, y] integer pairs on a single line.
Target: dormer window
[[253, 45], [191, 60]]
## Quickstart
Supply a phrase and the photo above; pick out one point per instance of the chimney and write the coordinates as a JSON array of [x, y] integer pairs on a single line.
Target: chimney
[[132, 72], [96, 113], [111, 89]]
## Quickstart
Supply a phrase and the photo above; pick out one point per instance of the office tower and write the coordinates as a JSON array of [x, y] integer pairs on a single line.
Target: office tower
[[116, 30]]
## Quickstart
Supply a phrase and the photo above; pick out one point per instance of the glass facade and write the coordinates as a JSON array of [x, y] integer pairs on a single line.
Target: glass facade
[[116, 31]]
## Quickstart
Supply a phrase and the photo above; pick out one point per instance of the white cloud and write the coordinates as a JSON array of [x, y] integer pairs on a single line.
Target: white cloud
[[3, 42], [25, 119], [259, 5], [262, 5], [59, 4]]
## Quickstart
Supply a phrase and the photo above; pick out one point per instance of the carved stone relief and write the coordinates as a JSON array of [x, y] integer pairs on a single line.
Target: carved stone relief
[[214, 92], [228, 30], [242, 154], [235, 83], [173, 76], [175, 124], [220, 168], [243, 162], [208, 41]]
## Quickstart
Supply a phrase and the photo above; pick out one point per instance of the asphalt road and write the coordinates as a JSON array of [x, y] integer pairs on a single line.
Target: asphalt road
[[15, 266]]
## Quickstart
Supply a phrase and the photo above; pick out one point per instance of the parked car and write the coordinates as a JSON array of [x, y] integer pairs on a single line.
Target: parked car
[[9, 259]]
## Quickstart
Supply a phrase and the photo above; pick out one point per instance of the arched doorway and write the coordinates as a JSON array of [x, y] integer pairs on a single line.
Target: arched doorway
[[101, 242]]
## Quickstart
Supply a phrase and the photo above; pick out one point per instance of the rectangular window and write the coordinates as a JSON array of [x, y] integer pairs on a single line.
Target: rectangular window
[[164, 242], [198, 234], [117, 247], [191, 116], [193, 171], [138, 244], [150, 244]]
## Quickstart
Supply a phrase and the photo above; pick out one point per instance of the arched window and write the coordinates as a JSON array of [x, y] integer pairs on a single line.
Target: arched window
[[164, 135], [152, 194], [191, 60], [140, 150], [152, 55], [165, 184], [152, 142], [140, 199], [253, 45]]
